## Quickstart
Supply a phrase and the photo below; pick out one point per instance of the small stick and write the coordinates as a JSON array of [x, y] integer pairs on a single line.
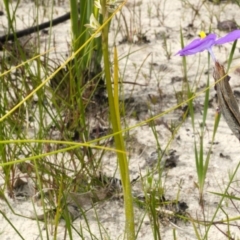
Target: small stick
[[28, 31]]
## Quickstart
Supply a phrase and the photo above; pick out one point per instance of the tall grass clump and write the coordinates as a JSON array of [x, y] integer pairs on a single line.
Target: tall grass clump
[[72, 85]]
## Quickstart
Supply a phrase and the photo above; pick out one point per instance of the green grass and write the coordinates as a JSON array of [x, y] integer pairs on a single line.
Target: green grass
[[46, 132]]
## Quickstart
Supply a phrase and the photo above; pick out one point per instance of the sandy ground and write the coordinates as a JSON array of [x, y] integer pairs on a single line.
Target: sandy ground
[[158, 82]]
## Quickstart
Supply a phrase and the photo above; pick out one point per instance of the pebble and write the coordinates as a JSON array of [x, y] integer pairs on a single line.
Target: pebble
[[227, 25]]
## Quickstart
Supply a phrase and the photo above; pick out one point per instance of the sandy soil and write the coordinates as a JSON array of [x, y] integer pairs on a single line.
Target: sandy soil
[[159, 81]]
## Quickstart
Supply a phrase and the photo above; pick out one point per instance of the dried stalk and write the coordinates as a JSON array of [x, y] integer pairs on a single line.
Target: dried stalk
[[226, 100]]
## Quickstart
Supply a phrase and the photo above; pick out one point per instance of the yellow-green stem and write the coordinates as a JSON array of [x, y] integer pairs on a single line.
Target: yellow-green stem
[[114, 118]]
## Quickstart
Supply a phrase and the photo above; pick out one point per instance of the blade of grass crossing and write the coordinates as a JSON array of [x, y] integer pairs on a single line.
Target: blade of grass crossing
[[10, 223], [231, 55]]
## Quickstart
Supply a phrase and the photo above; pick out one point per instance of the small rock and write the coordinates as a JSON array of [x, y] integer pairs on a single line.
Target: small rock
[[176, 79], [236, 93], [163, 67], [227, 25], [167, 161], [161, 35]]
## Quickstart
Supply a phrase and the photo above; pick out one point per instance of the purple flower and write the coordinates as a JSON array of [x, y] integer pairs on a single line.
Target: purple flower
[[230, 37], [206, 43]]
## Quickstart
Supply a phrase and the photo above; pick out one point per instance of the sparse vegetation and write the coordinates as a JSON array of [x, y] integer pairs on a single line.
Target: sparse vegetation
[[113, 136]]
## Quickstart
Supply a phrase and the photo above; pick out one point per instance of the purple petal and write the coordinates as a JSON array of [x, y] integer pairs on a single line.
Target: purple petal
[[198, 45], [230, 37], [190, 46]]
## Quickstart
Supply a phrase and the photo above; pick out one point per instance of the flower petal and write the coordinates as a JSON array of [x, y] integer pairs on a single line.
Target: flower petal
[[93, 26], [230, 37], [190, 46], [198, 45], [94, 22]]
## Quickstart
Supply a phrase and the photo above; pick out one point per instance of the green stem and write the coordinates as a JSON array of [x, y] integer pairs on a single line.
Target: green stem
[[77, 69], [122, 158], [74, 23]]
